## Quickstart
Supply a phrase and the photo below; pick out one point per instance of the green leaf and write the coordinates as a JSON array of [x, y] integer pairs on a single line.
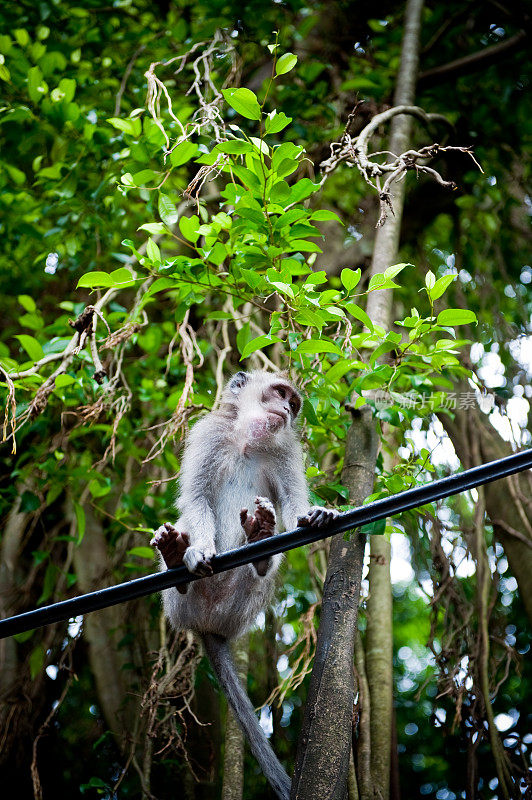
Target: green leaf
[[37, 87], [430, 279], [132, 127], [276, 122], [283, 288], [98, 488], [339, 369], [360, 314], [79, 511], [143, 177], [250, 277], [160, 285], [309, 411], [15, 174], [316, 277], [394, 270], [302, 246], [323, 215], [302, 189], [153, 252], [287, 150], [142, 552], [244, 101], [167, 210], [441, 286], [285, 63], [22, 36], [318, 346], [376, 528], [258, 343], [127, 179], [243, 337], [456, 316], [286, 167], [67, 86], [380, 281], [153, 228], [182, 153], [308, 317], [64, 380], [121, 278], [350, 278], [189, 227], [29, 502], [31, 346], [235, 147], [280, 192], [97, 278], [36, 661], [27, 302]]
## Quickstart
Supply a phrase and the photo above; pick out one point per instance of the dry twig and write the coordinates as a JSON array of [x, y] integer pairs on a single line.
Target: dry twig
[[381, 176]]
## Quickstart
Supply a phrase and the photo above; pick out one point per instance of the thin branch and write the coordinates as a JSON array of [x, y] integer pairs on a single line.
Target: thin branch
[[474, 61], [125, 77], [354, 151]]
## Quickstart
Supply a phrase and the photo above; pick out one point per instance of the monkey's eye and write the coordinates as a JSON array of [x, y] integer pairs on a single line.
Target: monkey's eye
[[293, 406], [281, 392]]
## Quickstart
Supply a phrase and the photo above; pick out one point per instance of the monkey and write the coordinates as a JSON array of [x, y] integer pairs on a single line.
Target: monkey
[[245, 453]]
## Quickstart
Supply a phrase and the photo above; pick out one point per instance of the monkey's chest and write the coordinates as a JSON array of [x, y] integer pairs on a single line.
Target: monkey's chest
[[237, 491]]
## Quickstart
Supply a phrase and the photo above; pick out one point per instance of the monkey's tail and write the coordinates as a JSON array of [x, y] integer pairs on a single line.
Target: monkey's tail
[[219, 653]]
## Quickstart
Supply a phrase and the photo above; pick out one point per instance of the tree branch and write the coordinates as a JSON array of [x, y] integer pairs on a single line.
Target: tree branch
[[473, 62]]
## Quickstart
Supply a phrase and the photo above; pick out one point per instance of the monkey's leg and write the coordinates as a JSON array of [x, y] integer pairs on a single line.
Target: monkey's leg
[[172, 545], [261, 526]]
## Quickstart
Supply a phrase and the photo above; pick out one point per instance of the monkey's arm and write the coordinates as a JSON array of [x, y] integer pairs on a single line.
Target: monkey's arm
[[197, 516], [293, 498]]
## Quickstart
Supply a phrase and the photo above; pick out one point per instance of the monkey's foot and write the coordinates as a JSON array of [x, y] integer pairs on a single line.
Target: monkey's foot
[[317, 517], [259, 527], [199, 561], [172, 546]]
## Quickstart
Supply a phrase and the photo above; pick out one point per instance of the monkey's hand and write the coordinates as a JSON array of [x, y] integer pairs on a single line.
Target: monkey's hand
[[261, 526], [317, 517], [199, 561], [172, 546]]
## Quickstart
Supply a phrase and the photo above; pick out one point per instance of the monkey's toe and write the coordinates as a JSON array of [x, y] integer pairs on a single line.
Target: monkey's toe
[[198, 561], [317, 517]]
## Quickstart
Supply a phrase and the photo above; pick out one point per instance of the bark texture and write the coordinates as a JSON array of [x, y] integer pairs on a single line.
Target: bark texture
[[233, 776], [379, 666], [324, 745], [103, 631], [379, 635], [508, 502]]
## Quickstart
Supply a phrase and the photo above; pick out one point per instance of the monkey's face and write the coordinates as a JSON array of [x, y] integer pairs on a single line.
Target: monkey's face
[[268, 406], [281, 404], [271, 411]]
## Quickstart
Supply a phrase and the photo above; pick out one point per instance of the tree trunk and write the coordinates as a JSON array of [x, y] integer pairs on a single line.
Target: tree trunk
[[508, 501], [379, 635], [324, 746], [233, 768], [103, 631]]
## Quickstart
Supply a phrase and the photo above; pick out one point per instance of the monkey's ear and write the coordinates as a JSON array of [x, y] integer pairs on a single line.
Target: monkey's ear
[[238, 382]]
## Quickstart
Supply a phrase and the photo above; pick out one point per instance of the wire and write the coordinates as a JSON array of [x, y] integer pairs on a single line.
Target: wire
[[387, 507]]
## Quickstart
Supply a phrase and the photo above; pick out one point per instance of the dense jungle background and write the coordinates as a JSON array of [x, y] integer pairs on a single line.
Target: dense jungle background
[[192, 188]]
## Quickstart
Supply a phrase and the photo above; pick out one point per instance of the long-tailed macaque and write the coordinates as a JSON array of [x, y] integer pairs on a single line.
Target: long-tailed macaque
[[243, 456]]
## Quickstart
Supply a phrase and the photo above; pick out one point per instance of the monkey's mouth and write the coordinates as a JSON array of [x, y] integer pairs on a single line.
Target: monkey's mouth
[[276, 419], [282, 414]]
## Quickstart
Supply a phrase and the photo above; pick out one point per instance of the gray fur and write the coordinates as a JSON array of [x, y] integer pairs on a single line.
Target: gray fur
[[220, 657], [248, 447]]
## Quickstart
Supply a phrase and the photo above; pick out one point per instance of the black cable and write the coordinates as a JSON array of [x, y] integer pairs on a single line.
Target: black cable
[[389, 506]]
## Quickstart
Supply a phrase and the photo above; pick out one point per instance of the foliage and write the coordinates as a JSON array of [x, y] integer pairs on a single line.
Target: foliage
[[200, 230]]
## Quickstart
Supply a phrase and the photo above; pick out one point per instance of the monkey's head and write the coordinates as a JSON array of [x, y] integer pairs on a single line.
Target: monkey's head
[[264, 405]]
